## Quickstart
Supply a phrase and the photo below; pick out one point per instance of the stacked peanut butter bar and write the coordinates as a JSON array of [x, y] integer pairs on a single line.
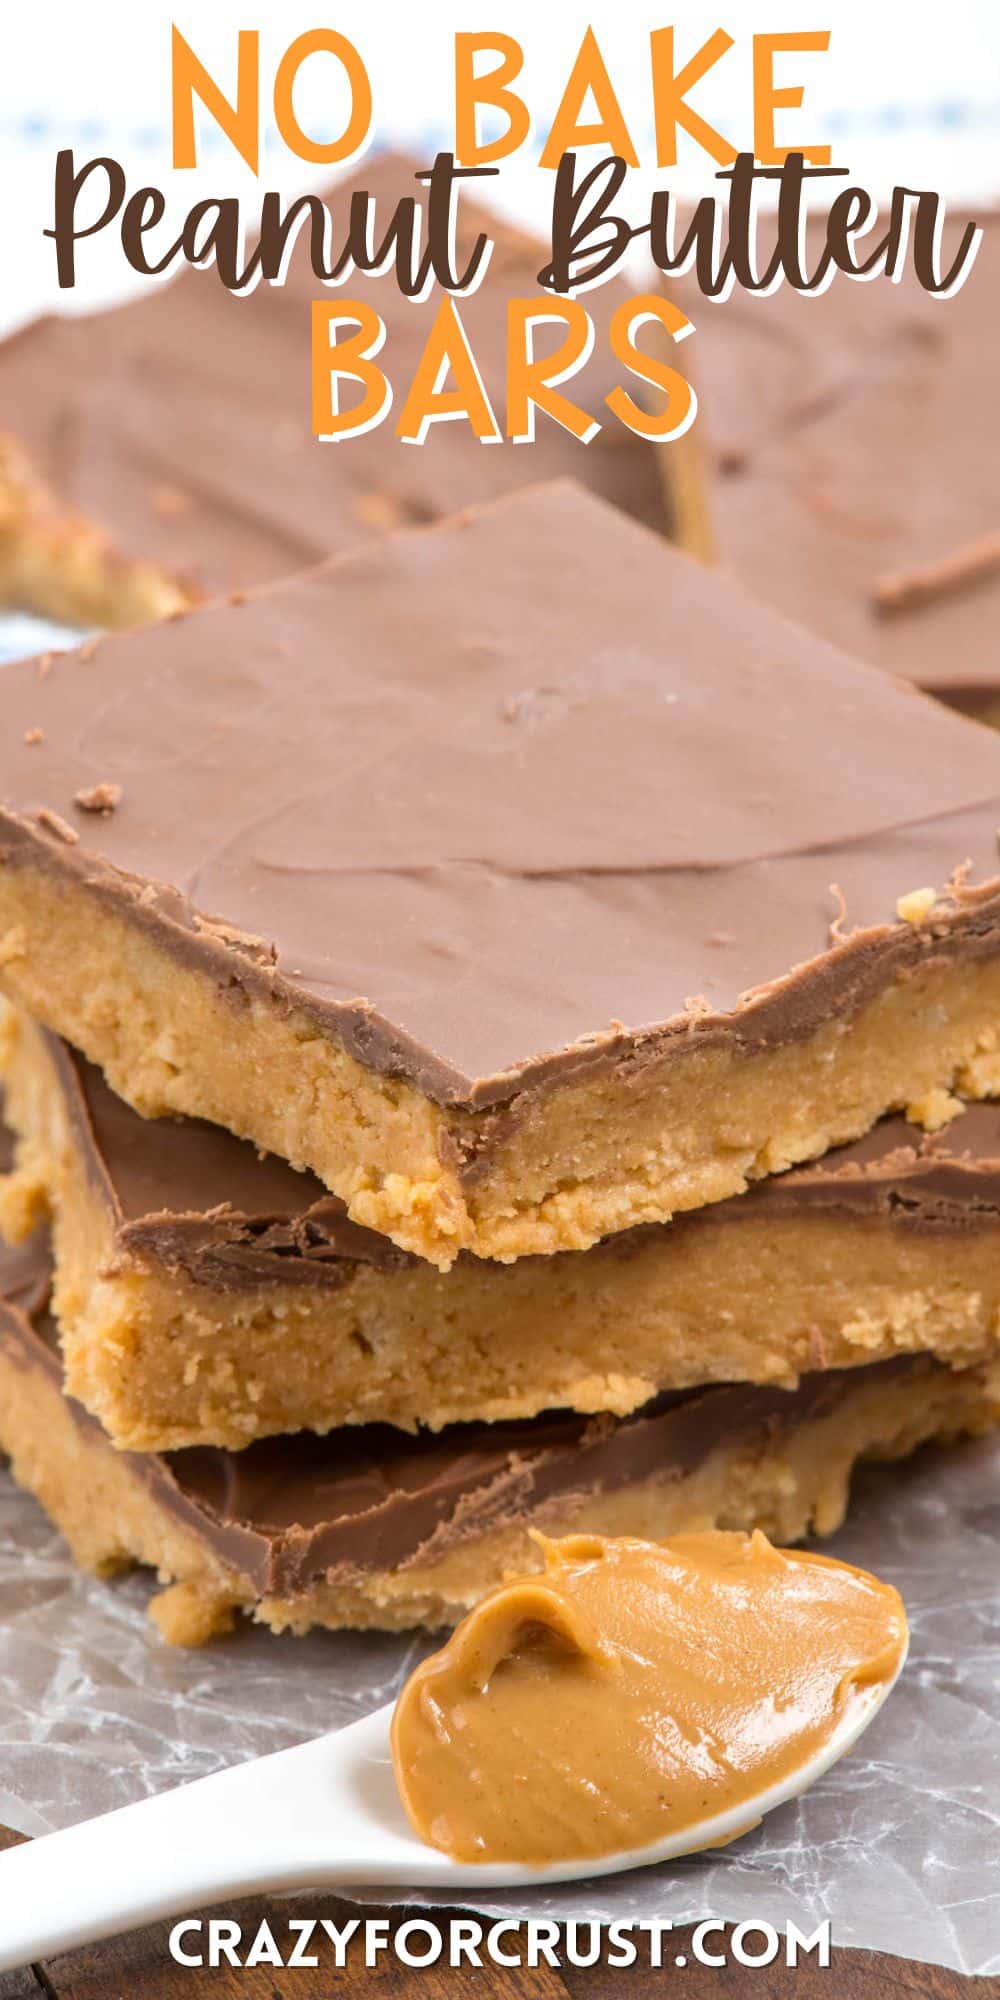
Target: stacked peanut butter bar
[[162, 453], [848, 448], [501, 1037]]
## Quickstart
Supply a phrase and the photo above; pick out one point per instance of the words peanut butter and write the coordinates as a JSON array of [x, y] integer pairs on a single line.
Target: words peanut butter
[[634, 1691]]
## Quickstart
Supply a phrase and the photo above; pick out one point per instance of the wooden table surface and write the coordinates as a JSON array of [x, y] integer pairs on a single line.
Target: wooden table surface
[[139, 1967]]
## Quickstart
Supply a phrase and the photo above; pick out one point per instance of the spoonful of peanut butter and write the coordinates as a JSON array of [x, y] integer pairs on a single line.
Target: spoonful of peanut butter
[[639, 1694], [634, 1702]]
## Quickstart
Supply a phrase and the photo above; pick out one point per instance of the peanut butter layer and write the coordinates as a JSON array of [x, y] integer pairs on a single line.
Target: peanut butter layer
[[367, 1527], [162, 452], [636, 1692], [519, 876], [850, 445], [208, 1296]]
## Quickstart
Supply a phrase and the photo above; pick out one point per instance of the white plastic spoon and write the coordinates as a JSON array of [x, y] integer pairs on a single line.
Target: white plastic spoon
[[324, 1815]]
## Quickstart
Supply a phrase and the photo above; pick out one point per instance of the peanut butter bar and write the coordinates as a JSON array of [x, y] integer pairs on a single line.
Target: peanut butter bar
[[519, 876], [206, 1295], [162, 452], [369, 1528], [850, 444]]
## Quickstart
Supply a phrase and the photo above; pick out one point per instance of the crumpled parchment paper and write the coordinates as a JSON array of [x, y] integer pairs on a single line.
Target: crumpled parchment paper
[[899, 1845]]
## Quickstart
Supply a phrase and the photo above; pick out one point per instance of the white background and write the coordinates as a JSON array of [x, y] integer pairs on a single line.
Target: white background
[[906, 93], [902, 1844]]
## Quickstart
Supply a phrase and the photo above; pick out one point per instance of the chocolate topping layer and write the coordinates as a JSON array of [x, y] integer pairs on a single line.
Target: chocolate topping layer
[[509, 796], [949, 1178], [181, 422], [25, 1271], [193, 1196], [288, 1510], [853, 441]]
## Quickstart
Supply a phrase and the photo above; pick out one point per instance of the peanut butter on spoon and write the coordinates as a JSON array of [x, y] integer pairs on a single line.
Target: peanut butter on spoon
[[635, 1690]]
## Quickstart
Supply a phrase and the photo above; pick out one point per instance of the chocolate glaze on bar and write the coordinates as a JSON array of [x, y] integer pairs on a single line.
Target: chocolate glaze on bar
[[181, 422], [25, 1271], [947, 1179], [287, 1511], [193, 1198], [500, 800], [851, 437]]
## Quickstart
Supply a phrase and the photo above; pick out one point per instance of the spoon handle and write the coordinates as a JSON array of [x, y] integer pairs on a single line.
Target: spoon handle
[[165, 1854], [291, 1820]]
